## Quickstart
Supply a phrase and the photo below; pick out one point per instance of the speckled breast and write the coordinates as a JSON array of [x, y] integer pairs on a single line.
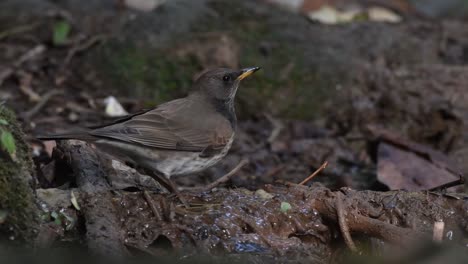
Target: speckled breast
[[185, 163]]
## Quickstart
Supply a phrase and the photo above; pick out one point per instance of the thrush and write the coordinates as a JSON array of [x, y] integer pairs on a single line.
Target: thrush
[[179, 137]]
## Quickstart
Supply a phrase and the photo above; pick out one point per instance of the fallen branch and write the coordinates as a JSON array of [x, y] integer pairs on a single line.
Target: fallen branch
[[103, 233]]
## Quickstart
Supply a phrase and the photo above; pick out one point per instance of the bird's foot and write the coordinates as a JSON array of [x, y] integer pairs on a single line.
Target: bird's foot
[[168, 184]]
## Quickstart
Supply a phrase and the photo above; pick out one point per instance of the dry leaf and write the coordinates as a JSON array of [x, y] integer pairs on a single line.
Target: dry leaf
[[114, 108], [402, 169], [144, 5]]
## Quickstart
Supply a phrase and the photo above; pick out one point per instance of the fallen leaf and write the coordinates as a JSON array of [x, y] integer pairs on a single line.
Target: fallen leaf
[[325, 15], [8, 143], [292, 5], [435, 157], [285, 206], [263, 194], [402, 169], [144, 5], [60, 33], [74, 201], [381, 14], [114, 108], [331, 16]]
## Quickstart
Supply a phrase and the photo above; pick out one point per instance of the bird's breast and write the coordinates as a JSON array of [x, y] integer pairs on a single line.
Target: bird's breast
[[168, 162], [191, 162]]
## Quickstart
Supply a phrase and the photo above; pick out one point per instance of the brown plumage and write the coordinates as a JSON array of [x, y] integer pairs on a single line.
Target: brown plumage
[[179, 137]]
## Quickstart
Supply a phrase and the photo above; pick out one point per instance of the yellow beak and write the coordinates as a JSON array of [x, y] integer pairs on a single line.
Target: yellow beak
[[247, 72]]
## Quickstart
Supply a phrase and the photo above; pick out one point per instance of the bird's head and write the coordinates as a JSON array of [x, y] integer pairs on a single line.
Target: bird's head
[[222, 83]]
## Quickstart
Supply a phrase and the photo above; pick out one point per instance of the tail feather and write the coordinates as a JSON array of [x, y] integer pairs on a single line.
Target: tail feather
[[80, 135]]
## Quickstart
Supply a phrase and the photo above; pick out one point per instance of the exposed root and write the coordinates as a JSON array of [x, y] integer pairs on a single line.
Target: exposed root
[[359, 223], [340, 211]]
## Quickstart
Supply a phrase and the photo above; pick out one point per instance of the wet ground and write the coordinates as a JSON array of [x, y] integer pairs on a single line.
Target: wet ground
[[314, 102]]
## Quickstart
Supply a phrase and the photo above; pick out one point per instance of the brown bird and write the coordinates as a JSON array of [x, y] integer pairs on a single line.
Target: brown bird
[[180, 137]]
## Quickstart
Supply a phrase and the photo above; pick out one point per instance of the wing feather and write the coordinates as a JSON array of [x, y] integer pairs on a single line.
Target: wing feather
[[169, 127]]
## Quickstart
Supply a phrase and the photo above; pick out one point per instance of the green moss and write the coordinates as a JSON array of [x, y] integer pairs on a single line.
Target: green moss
[[158, 74], [16, 195], [147, 73]]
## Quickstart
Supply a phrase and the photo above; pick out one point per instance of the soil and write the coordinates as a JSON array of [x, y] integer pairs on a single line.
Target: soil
[[320, 89]]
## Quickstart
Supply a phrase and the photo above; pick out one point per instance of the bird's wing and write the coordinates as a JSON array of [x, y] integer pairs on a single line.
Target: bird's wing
[[170, 126]]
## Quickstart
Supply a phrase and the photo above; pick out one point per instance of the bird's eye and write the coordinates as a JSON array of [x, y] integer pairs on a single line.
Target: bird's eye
[[226, 78]]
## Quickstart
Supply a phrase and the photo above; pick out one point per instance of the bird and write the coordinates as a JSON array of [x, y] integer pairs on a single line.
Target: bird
[[180, 137]]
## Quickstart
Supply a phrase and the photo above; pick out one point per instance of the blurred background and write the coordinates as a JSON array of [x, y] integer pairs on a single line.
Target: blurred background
[[376, 88], [338, 77]]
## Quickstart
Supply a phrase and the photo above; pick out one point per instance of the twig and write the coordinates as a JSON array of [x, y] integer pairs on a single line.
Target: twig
[[17, 30], [343, 223], [81, 47], [227, 176], [25, 87], [447, 185], [322, 167], [272, 172], [152, 206], [277, 128], [45, 98], [29, 55], [221, 180]]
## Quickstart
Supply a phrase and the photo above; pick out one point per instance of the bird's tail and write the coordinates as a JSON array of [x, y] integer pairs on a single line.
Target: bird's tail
[[80, 135]]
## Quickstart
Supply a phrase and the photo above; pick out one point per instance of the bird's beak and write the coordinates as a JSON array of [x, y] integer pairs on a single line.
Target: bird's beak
[[246, 72]]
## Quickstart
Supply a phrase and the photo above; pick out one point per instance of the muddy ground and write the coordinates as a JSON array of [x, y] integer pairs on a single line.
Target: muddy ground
[[384, 104]]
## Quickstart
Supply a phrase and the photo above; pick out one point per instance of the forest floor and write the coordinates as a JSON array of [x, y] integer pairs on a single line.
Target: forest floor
[[383, 105]]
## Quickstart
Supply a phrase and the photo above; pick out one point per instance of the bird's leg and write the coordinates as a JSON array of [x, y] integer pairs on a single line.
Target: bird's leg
[[166, 183]]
